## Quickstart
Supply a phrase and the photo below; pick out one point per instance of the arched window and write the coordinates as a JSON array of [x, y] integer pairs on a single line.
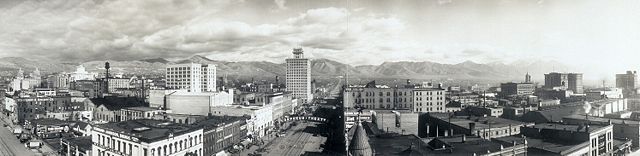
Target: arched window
[[181, 145], [164, 150]]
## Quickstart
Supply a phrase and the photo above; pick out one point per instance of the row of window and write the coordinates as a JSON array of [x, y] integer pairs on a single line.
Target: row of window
[[127, 148]]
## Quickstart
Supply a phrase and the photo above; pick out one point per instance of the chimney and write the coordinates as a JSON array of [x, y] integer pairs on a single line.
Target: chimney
[[472, 127], [586, 128], [427, 127], [464, 138]]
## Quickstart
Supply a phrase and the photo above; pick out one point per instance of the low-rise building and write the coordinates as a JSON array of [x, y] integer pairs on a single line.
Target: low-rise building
[[197, 103], [146, 137], [50, 128], [79, 146], [622, 128], [81, 129], [516, 89], [473, 145], [545, 103], [488, 111], [401, 122], [134, 113], [594, 140], [447, 124], [180, 118], [593, 108], [221, 132], [34, 107], [108, 109], [260, 117]]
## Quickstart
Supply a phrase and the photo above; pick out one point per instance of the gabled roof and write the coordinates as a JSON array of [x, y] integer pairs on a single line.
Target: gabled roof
[[82, 125]]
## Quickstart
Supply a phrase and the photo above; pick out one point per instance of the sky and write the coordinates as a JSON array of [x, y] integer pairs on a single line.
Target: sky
[[597, 37]]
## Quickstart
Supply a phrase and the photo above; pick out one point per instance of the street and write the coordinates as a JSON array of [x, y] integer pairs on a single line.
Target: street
[[301, 138], [9, 144]]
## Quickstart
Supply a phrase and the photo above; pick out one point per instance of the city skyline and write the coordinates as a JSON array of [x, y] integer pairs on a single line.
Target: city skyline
[[445, 32]]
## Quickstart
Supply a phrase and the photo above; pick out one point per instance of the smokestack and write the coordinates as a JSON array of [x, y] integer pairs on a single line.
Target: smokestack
[[472, 127], [106, 76], [586, 128]]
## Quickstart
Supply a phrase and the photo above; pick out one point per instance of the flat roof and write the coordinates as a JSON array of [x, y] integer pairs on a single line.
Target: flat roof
[[481, 122], [84, 143], [147, 130], [399, 145], [603, 120], [143, 108], [469, 146], [564, 127], [213, 122], [543, 146]]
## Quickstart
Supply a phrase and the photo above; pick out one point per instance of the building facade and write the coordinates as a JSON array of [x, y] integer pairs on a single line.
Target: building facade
[[192, 77], [516, 89], [373, 96], [222, 132], [429, 100], [628, 82], [197, 103], [568, 81], [298, 76], [146, 138]]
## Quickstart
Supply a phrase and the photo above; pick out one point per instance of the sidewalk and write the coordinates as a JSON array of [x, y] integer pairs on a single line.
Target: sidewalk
[[44, 150]]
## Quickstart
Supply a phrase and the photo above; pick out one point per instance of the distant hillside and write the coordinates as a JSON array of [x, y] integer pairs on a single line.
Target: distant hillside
[[319, 67]]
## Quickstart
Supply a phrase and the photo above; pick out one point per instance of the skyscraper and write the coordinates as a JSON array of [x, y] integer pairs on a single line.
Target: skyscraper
[[627, 82], [298, 76], [191, 76], [568, 81]]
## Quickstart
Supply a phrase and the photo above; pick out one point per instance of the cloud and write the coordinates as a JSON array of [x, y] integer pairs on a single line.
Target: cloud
[[281, 4]]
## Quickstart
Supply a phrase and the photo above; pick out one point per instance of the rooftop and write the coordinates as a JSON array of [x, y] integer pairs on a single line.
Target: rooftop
[[544, 147], [83, 143], [117, 103], [49, 121], [481, 122], [147, 130], [563, 127], [213, 122], [398, 145], [144, 109], [456, 146], [603, 120]]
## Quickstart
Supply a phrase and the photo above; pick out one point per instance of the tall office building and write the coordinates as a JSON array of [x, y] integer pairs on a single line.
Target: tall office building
[[568, 81], [627, 82], [298, 77], [192, 77], [575, 83]]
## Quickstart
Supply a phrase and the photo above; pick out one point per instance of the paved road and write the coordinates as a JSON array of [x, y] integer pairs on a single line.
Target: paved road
[[297, 141], [9, 144]]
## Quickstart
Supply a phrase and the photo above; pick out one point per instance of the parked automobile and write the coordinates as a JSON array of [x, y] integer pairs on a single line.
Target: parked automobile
[[33, 144]]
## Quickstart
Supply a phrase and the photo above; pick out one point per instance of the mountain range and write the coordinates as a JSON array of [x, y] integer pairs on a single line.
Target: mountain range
[[319, 67]]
